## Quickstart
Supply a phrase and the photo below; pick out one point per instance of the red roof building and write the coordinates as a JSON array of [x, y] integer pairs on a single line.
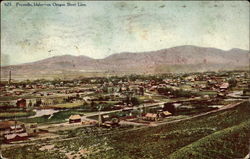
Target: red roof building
[[21, 103]]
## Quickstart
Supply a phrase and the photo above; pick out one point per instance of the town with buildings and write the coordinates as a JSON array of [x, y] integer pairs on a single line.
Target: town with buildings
[[49, 110], [124, 80]]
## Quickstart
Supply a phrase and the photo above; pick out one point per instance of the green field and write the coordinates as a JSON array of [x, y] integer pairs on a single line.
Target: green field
[[65, 106], [5, 115], [58, 117], [207, 93], [223, 134]]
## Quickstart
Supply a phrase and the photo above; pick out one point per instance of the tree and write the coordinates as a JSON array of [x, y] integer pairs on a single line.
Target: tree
[[92, 104], [30, 104], [141, 91], [38, 102], [127, 101], [77, 96], [120, 90], [169, 107], [84, 103], [135, 101], [232, 82]]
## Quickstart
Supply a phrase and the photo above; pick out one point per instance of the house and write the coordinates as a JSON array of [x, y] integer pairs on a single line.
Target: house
[[151, 117], [21, 103], [13, 131], [224, 87], [31, 128], [8, 127], [17, 129], [113, 122], [153, 88], [89, 122], [18, 92], [15, 137], [75, 119], [221, 95], [165, 114], [127, 109]]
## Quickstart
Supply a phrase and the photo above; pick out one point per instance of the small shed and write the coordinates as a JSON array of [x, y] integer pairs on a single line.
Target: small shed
[[224, 86], [15, 137], [75, 119], [11, 126], [151, 116], [166, 114]]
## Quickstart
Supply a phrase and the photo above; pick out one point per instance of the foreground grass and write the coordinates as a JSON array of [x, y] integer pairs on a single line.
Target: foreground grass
[[219, 135], [160, 142], [228, 143]]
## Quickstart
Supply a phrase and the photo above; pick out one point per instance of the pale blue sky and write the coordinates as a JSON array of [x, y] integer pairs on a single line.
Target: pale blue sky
[[103, 28]]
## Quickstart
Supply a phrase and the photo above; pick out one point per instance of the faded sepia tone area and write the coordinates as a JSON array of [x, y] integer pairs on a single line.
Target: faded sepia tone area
[[124, 79]]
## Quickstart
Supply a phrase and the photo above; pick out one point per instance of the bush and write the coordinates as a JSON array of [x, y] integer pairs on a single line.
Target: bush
[[176, 92]]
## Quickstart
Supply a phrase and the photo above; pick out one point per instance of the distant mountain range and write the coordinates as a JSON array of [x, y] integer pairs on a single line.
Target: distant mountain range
[[176, 59]]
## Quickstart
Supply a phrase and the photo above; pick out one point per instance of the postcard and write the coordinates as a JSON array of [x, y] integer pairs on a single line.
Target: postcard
[[124, 79]]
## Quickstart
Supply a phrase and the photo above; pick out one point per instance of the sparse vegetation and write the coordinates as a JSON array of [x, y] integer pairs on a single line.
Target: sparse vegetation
[[225, 131]]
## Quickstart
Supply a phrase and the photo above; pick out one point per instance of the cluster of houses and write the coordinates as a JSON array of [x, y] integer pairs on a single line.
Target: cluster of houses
[[77, 119], [106, 120], [77, 91], [156, 116], [103, 120], [210, 81], [16, 131]]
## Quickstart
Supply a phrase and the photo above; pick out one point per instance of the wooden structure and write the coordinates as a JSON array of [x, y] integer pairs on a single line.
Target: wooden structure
[[75, 119]]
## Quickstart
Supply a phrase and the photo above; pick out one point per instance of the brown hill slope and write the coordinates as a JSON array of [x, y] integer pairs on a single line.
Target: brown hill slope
[[176, 59]]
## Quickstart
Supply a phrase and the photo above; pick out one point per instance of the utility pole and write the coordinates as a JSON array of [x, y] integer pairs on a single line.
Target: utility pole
[[99, 116], [9, 77], [248, 76], [249, 70], [15, 125]]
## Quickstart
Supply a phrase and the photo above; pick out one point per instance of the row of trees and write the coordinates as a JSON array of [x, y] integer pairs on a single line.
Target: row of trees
[[176, 92]]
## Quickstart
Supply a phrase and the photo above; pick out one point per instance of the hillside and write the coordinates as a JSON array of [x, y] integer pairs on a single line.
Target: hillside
[[176, 59], [224, 133]]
